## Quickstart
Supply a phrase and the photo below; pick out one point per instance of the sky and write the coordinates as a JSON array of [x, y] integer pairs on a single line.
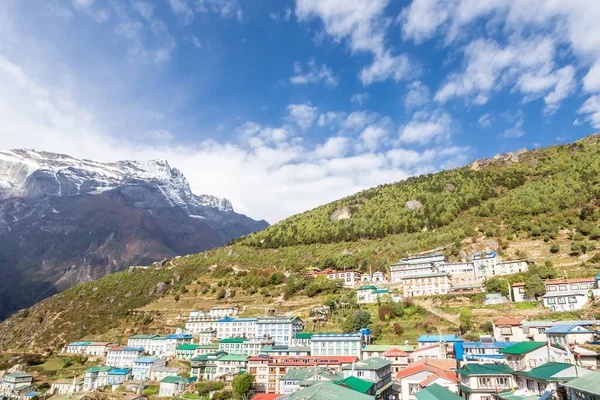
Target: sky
[[284, 105]]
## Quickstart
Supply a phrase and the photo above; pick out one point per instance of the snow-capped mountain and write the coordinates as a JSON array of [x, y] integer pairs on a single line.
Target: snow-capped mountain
[[65, 220]]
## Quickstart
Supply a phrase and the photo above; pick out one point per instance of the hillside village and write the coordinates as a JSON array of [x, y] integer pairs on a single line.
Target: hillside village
[[521, 358]]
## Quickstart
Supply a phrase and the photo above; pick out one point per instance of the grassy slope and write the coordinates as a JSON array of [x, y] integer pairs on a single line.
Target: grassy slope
[[558, 182]]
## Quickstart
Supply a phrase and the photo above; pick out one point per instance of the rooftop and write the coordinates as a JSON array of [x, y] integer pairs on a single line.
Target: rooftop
[[573, 328], [509, 321], [146, 360], [233, 340], [367, 287], [485, 369], [100, 368], [369, 364], [142, 336], [436, 392], [304, 335], [522, 348], [546, 371], [547, 323], [328, 391], [434, 275], [173, 379], [587, 384], [234, 357], [356, 384], [387, 347], [437, 338], [188, 346], [564, 294], [119, 371]]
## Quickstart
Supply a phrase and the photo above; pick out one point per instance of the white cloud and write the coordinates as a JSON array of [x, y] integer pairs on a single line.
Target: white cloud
[[591, 110], [417, 96], [193, 39], [314, 74], [427, 127], [591, 81], [363, 24], [187, 9], [359, 98], [359, 120], [515, 132], [302, 114], [334, 147], [485, 120], [372, 137], [331, 118]]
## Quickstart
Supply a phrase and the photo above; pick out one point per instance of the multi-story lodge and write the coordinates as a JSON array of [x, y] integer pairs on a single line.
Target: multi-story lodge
[[336, 344], [556, 286], [281, 329], [484, 381], [236, 327], [521, 330], [415, 266], [268, 370], [123, 356], [349, 278], [223, 311], [375, 370], [486, 264], [426, 285], [198, 322], [247, 347]]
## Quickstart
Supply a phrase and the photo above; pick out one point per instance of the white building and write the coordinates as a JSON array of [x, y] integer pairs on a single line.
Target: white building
[[527, 355], [349, 278], [281, 329], [15, 384], [224, 311], [230, 365], [569, 335], [206, 336], [512, 267], [554, 286], [76, 347], [486, 264], [66, 386], [97, 349], [483, 382], [236, 328], [144, 365], [565, 301], [198, 322], [415, 266], [95, 377], [336, 344], [371, 295], [458, 268], [159, 373], [376, 277], [426, 285], [171, 386], [122, 356]]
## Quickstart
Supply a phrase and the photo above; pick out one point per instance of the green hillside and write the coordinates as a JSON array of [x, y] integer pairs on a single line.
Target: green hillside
[[539, 204]]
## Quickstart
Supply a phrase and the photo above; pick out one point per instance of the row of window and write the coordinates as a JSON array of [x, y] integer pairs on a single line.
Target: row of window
[[561, 300]]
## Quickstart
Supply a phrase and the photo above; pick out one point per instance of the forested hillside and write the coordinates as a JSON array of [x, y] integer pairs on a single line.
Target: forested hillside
[[539, 205], [541, 185]]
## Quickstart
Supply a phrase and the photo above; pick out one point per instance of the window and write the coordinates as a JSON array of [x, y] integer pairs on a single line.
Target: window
[[484, 382], [552, 288], [572, 299], [526, 330], [541, 330], [562, 288], [562, 300], [551, 300], [574, 287], [502, 382], [413, 388]]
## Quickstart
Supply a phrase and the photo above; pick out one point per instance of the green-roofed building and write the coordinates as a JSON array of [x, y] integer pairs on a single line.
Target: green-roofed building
[[517, 395], [376, 370], [358, 385], [249, 347], [16, 384], [477, 381], [327, 391], [172, 386], [230, 365], [187, 351], [299, 378], [204, 366], [286, 350], [302, 339], [524, 356], [586, 387], [95, 377], [377, 350], [436, 392], [547, 377]]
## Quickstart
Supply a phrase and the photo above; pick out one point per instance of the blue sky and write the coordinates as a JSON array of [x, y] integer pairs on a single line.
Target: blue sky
[[284, 105]]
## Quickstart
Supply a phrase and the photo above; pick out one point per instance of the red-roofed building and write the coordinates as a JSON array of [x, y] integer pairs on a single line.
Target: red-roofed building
[[425, 373], [399, 359], [268, 369], [556, 286], [266, 396]]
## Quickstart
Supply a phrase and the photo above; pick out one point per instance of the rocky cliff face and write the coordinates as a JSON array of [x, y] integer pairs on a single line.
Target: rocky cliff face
[[64, 220]]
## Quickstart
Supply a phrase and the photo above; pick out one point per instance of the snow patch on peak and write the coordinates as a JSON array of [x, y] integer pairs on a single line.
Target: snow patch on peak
[[22, 170]]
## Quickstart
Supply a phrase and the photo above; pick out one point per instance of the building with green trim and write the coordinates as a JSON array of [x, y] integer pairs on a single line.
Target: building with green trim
[[483, 381], [300, 378], [436, 392], [327, 391], [584, 388]]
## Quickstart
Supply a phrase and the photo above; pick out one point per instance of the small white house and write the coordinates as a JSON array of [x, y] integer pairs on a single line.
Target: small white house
[[565, 301], [171, 386]]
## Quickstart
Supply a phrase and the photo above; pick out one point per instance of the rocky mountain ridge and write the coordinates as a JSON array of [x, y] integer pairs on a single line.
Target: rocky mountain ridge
[[65, 220]]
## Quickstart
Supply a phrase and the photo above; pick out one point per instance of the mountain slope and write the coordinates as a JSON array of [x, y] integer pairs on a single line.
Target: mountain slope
[[533, 202], [64, 221]]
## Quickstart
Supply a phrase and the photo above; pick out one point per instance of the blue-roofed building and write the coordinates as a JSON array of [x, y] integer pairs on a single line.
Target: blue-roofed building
[[143, 366], [281, 329], [122, 356], [485, 351], [572, 334], [236, 327], [429, 340], [76, 347], [118, 376], [336, 344]]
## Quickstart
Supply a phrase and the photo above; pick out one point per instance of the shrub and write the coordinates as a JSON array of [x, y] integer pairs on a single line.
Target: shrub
[[398, 328], [555, 248]]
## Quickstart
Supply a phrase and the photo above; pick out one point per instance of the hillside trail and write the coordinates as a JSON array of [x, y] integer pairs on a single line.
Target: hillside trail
[[428, 305]]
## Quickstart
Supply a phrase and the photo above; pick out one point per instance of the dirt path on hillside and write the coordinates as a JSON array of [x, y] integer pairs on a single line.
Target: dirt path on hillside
[[428, 305]]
